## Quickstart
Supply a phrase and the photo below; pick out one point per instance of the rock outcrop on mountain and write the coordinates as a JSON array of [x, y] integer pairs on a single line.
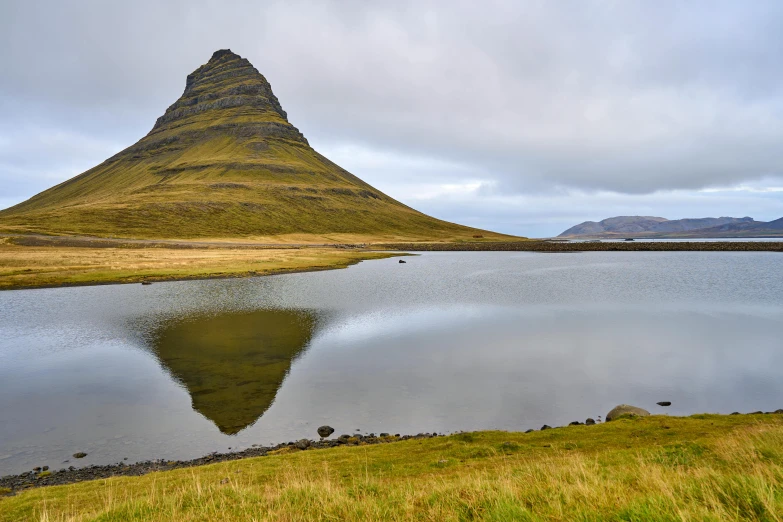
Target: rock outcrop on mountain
[[647, 226], [223, 161]]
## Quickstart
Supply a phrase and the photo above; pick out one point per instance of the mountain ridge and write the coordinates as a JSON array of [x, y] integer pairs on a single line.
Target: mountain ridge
[[657, 227], [223, 161]]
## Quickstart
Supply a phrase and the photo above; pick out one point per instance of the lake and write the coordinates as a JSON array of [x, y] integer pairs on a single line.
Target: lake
[[448, 341]]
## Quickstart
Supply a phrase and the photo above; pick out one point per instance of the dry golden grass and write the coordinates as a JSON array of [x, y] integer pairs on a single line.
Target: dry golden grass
[[659, 468], [29, 267]]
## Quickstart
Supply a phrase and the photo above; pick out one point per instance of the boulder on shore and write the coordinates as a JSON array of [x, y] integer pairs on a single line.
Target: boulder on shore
[[325, 431], [626, 409]]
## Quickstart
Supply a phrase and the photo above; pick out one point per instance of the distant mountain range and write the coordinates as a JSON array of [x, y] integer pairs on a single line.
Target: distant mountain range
[[658, 227]]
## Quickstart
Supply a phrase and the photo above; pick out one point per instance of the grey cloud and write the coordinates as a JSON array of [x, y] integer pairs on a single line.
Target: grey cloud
[[626, 96]]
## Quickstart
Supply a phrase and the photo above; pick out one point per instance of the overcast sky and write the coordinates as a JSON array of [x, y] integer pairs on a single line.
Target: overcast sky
[[524, 117]]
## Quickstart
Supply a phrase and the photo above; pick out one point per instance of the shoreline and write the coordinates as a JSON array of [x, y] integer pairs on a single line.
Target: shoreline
[[163, 279], [120, 267], [353, 254], [563, 247], [39, 478], [71, 475], [700, 467]]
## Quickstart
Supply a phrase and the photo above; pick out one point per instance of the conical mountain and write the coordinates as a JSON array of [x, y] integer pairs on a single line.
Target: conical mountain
[[223, 161]]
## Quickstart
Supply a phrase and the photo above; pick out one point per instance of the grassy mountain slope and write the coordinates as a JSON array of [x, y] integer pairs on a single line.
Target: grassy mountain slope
[[223, 161]]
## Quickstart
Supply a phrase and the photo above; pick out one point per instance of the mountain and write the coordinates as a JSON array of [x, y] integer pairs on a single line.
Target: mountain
[[746, 229], [646, 226], [223, 161]]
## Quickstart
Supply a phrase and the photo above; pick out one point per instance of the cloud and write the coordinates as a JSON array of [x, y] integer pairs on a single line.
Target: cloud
[[527, 99]]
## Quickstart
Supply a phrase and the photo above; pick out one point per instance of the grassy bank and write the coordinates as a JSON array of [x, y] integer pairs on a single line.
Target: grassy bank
[[50, 266], [704, 467]]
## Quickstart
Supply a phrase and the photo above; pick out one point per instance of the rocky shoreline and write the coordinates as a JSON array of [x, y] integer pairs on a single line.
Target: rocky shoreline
[[40, 477]]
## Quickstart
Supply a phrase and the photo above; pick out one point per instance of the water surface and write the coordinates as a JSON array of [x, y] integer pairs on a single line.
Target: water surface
[[448, 341]]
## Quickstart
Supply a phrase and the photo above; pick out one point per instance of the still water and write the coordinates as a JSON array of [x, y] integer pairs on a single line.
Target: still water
[[446, 342]]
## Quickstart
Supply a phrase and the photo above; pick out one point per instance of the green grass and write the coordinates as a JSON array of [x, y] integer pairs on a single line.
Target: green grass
[[707, 467], [46, 266]]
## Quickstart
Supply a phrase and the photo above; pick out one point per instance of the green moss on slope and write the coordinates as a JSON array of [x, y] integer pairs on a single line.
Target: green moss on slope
[[223, 161]]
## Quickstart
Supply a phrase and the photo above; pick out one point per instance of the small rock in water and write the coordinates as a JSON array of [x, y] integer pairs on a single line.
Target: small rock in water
[[79, 455], [590, 421], [401, 261], [46, 468], [384, 435], [626, 409], [664, 403], [325, 431], [37, 469]]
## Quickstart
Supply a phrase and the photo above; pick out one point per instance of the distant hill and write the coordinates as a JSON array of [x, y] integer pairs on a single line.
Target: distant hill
[[647, 226], [224, 161]]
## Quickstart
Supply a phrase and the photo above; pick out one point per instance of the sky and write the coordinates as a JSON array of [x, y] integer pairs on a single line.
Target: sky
[[524, 117]]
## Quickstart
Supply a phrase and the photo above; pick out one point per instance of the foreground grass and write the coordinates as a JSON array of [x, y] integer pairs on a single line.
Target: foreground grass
[[705, 467], [31, 267]]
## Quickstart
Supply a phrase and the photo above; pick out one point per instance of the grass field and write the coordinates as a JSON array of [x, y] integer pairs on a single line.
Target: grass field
[[33, 266], [704, 467]]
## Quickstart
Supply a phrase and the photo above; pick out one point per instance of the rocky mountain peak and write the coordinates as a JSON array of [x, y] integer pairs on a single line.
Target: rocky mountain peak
[[227, 87], [222, 52]]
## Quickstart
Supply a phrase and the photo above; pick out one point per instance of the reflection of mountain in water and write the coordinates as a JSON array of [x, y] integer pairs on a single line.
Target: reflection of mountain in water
[[233, 364]]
